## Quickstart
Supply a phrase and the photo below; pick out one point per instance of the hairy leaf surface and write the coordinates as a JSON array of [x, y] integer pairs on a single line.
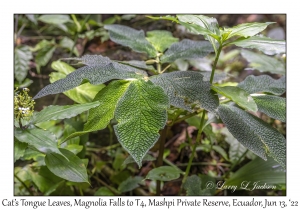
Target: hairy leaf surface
[[193, 186], [187, 88], [253, 133], [263, 83], [141, 113], [160, 39]]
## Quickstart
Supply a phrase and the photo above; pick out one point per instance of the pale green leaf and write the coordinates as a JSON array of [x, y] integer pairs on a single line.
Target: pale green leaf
[[32, 18], [42, 140], [247, 29], [181, 64], [54, 19], [263, 63], [103, 191], [130, 159], [186, 89], [263, 83], [163, 173], [193, 186], [167, 17], [98, 70], [22, 59], [238, 95], [273, 106], [254, 134], [72, 169], [130, 37], [221, 151], [19, 149], [265, 44], [160, 39], [141, 113], [130, 184], [62, 112], [44, 55], [69, 44], [74, 148], [42, 183], [187, 49]]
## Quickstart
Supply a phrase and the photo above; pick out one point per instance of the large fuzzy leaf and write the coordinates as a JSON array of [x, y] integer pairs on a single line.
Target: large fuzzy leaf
[[272, 106], [265, 44], [98, 70], [187, 88], [247, 29], [187, 49], [193, 186], [263, 63], [161, 40], [23, 56], [130, 37], [253, 133], [141, 113], [263, 83]]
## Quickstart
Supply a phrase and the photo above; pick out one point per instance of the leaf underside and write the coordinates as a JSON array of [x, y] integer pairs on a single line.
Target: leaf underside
[[248, 29]]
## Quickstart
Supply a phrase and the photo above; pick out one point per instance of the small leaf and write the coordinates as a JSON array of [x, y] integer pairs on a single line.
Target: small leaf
[[273, 106], [130, 159], [142, 111], [44, 55], [263, 63], [263, 83], [254, 134], [19, 149], [163, 173], [247, 29], [32, 18], [167, 17], [69, 44], [187, 49], [267, 45], [238, 95], [22, 60], [130, 37], [103, 191], [74, 148], [72, 169], [160, 39], [54, 19], [62, 112], [193, 186], [130, 184]]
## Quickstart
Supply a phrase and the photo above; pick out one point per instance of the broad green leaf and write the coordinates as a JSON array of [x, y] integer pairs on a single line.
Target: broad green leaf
[[69, 44], [163, 173], [62, 112], [83, 93], [130, 37], [263, 63], [45, 50], [42, 140], [238, 95], [54, 19], [260, 172], [167, 17], [22, 59], [130, 184], [141, 113], [263, 83], [100, 116], [72, 169], [19, 149], [74, 148], [98, 70], [265, 44], [42, 183], [193, 186], [103, 191], [160, 39], [254, 134], [130, 159], [273, 106], [247, 29], [187, 49], [186, 89]]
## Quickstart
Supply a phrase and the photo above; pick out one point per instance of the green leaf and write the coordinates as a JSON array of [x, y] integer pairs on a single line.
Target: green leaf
[[273, 106], [163, 173], [62, 112], [221, 151], [42, 183], [74, 148], [103, 191], [263, 63], [254, 134], [238, 95], [186, 89], [130, 184], [23, 56], [247, 29], [193, 186], [218, 77], [260, 172], [69, 44], [72, 169], [138, 64], [19, 149], [130, 159], [44, 54], [263, 83], [42, 140], [32, 18], [265, 44], [187, 49], [160, 39], [141, 113], [167, 17], [181, 64], [130, 37], [54, 19], [98, 70]]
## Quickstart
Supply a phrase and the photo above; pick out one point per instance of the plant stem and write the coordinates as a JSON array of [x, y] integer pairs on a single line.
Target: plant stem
[[159, 162], [215, 64], [23, 184]]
